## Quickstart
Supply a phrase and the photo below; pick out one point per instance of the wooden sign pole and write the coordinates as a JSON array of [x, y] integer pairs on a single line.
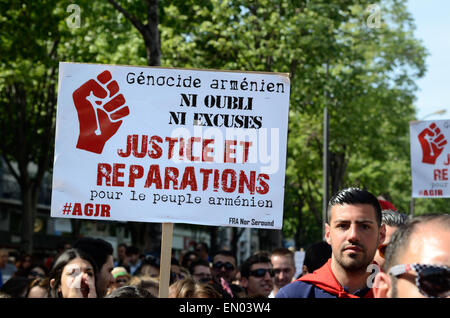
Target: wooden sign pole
[[166, 257]]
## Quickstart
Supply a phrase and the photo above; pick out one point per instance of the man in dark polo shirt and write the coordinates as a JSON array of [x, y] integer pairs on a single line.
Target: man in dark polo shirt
[[354, 231]]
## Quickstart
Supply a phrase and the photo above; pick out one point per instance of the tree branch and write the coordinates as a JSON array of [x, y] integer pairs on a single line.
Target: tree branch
[[11, 169], [138, 24]]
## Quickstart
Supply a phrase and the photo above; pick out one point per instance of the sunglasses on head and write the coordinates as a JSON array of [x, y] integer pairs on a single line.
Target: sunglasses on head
[[431, 280], [261, 272], [228, 266]]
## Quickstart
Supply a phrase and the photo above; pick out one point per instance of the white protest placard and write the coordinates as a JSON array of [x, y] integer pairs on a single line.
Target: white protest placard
[[170, 145], [430, 158]]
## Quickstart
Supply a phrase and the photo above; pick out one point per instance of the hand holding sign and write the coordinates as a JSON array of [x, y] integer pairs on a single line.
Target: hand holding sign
[[432, 142], [100, 110]]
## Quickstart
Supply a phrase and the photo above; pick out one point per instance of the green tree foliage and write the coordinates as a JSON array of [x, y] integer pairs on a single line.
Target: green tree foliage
[[298, 37], [35, 36], [29, 37], [365, 76], [369, 93]]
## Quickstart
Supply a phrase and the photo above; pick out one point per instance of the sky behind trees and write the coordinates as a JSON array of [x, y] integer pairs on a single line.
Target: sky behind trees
[[432, 22]]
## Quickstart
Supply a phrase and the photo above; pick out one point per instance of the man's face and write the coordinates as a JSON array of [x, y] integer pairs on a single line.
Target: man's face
[[133, 258], [201, 273], [389, 231], [175, 273], [354, 236], [429, 245], [104, 277], [258, 285], [284, 269], [227, 274], [121, 252]]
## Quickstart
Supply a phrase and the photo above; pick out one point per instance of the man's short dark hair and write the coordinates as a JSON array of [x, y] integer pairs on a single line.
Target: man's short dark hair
[[197, 262], [354, 196], [130, 292], [174, 261], [317, 255], [393, 218], [401, 239], [96, 248], [258, 257], [131, 250], [225, 253], [16, 285], [282, 251]]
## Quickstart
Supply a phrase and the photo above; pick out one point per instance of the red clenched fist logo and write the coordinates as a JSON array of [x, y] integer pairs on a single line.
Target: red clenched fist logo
[[100, 109], [432, 141]]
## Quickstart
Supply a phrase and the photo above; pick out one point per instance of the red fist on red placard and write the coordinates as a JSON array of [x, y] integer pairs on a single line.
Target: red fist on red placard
[[100, 111], [432, 141]]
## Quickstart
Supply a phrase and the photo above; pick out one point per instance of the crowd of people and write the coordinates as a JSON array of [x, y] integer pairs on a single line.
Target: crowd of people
[[368, 252]]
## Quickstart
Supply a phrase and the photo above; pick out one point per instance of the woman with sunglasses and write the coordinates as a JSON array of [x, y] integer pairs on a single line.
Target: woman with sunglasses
[[417, 262]]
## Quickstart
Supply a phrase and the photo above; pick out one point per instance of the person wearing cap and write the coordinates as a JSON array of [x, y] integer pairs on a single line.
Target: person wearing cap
[[121, 276]]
